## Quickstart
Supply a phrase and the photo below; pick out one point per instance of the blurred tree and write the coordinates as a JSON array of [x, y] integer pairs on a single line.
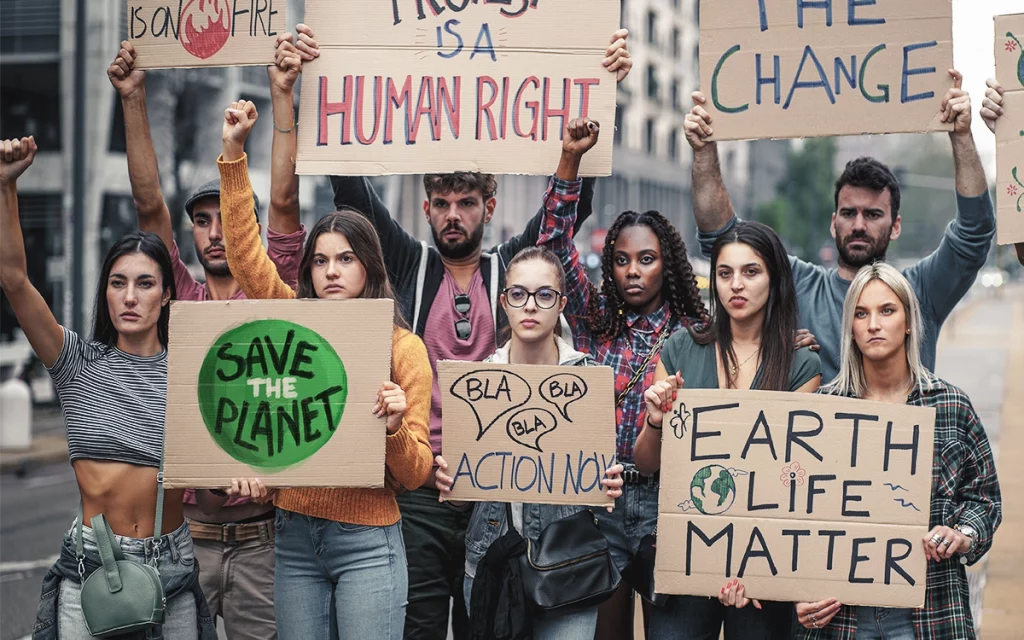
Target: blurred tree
[[802, 208]]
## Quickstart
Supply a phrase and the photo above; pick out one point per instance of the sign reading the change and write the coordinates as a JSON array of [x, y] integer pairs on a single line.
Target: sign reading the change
[[415, 86], [801, 497], [205, 33], [278, 389], [527, 433], [797, 68], [1009, 55]]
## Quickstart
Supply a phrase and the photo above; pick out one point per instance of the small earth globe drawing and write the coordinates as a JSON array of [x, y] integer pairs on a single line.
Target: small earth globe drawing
[[713, 490]]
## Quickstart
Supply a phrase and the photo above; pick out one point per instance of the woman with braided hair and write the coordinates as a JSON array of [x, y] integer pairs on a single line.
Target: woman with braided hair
[[648, 291]]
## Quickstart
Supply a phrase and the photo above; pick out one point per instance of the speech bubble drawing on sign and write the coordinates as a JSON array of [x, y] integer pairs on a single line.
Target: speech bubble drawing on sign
[[562, 389], [527, 426], [491, 394]]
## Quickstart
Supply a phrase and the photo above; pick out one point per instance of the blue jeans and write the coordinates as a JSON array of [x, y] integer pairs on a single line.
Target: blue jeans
[[878, 623], [702, 618], [576, 625], [635, 516], [334, 579]]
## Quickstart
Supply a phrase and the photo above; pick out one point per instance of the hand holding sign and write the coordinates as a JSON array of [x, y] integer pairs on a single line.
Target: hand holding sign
[[391, 403], [660, 396], [815, 615], [287, 65], [697, 125], [306, 45], [123, 74], [732, 595], [238, 121], [617, 59], [992, 105], [252, 488], [956, 105]]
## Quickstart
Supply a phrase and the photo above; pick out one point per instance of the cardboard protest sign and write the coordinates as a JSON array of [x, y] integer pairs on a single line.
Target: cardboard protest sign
[[527, 433], [801, 497], [277, 389], [797, 68], [205, 33], [423, 86], [1010, 129]]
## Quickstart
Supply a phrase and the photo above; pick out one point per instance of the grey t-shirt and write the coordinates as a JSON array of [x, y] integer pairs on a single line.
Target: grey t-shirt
[[939, 280]]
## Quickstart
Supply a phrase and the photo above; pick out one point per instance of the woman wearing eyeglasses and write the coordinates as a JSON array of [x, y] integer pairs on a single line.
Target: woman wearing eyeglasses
[[532, 300], [648, 291]]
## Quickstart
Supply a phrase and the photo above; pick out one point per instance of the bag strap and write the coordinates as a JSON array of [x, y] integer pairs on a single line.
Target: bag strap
[[421, 276], [110, 551], [508, 517], [642, 370]]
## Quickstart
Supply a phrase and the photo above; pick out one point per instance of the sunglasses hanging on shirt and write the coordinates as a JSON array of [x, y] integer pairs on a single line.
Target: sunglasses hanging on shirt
[[463, 328]]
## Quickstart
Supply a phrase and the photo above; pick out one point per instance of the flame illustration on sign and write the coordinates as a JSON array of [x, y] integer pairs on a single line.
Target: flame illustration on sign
[[207, 25]]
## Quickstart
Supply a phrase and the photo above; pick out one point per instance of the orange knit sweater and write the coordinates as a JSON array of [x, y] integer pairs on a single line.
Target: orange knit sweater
[[408, 456]]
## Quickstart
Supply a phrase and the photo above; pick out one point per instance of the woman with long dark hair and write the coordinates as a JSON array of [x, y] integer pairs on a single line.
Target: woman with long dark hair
[[113, 391], [648, 291], [881, 360], [340, 557], [749, 344]]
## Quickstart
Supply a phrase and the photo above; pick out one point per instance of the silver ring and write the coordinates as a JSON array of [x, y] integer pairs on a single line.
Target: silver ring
[[814, 624], [944, 541], [814, 618], [936, 539]]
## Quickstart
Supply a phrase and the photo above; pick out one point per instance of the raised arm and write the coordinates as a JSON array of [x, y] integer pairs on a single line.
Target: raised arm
[[946, 275], [559, 208], [248, 260], [991, 110], [283, 212], [36, 320], [712, 208], [143, 170]]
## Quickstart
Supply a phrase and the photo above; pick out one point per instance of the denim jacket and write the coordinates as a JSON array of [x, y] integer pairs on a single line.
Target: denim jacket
[[488, 521], [178, 580]]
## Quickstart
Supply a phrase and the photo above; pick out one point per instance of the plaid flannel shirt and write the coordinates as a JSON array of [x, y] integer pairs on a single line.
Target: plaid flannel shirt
[[626, 352], [965, 490]]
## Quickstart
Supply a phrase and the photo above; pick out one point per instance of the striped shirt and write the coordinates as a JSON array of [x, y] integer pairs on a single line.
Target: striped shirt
[[113, 402]]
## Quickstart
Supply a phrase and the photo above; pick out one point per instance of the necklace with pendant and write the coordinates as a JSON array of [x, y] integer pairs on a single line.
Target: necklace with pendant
[[736, 368]]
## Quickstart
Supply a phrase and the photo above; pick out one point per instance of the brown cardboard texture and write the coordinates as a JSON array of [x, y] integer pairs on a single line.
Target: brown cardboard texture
[[527, 433], [1009, 55], [205, 33], [277, 389], [415, 87], [784, 69], [801, 497]]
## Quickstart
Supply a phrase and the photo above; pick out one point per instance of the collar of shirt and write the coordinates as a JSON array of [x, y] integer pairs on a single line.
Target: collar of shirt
[[655, 321]]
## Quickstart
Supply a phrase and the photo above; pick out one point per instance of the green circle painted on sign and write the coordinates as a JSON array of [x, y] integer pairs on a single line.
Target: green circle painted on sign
[[272, 393]]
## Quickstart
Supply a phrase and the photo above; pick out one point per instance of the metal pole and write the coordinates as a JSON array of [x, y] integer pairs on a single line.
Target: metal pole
[[78, 174]]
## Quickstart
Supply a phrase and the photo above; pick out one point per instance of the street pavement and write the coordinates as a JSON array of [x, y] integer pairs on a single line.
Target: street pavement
[[981, 350]]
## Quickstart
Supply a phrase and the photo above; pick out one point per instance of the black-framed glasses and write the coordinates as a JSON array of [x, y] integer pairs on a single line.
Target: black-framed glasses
[[463, 328], [545, 297]]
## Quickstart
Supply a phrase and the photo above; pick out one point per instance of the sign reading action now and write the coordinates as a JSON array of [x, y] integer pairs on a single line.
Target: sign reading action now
[[272, 392]]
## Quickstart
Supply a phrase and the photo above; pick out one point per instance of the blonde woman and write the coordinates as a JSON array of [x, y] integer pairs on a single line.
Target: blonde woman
[[881, 360]]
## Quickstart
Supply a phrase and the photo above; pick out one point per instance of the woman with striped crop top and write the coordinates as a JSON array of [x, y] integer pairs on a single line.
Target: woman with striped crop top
[[113, 391]]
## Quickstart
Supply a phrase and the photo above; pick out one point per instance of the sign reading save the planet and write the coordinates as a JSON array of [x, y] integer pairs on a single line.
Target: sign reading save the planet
[[800, 497], [277, 389], [527, 433]]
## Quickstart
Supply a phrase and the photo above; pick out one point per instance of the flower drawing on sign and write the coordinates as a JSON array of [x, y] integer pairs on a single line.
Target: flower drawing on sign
[[793, 474], [206, 27]]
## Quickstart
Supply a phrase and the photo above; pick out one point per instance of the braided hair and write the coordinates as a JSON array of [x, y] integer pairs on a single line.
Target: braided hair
[[679, 288]]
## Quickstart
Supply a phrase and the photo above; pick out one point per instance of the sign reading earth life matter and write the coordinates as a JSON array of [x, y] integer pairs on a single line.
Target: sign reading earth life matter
[[204, 33], [271, 393]]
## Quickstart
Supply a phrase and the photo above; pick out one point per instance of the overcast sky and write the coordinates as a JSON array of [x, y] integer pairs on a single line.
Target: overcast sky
[[973, 44]]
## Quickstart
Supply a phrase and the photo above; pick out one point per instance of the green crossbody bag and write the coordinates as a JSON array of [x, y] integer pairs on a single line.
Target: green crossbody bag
[[122, 596]]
